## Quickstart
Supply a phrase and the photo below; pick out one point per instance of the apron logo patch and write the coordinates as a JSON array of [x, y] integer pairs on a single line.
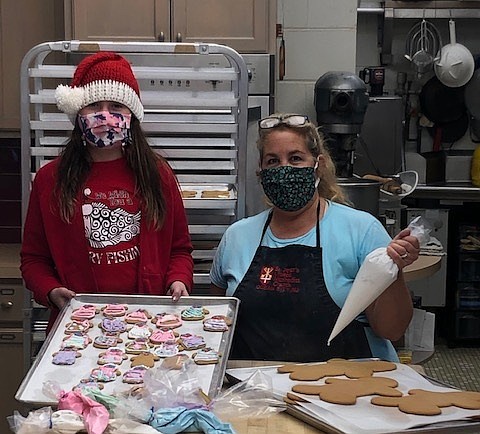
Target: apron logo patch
[[279, 279]]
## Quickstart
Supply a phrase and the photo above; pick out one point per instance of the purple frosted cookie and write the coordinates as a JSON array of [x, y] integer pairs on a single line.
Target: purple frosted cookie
[[189, 341], [134, 375], [66, 356], [113, 325]]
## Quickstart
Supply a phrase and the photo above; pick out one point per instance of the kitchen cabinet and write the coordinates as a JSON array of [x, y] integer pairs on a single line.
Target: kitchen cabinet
[[43, 20], [242, 25], [467, 291]]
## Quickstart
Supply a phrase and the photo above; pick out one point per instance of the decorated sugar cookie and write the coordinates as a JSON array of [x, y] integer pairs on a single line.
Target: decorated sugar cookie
[[106, 340], [113, 355], [113, 325], [105, 373], [87, 311], [134, 375], [139, 330], [194, 313], [163, 335], [115, 309], [167, 320], [87, 383], [216, 323], [78, 326], [66, 356], [189, 341], [137, 346], [205, 356], [166, 350], [76, 340], [137, 316]]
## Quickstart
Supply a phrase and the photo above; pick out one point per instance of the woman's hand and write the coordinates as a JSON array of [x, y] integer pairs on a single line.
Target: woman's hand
[[404, 249], [60, 296], [177, 290]]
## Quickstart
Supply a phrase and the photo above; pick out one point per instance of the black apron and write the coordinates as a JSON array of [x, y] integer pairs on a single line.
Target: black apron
[[286, 312]]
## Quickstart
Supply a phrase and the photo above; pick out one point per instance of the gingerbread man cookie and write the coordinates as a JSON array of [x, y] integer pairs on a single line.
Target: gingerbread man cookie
[[429, 403], [88, 384], [334, 368], [145, 359], [166, 350], [344, 391], [163, 335], [137, 346], [77, 340]]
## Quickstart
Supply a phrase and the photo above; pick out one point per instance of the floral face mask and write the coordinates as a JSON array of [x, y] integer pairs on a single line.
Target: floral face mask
[[104, 128], [289, 188]]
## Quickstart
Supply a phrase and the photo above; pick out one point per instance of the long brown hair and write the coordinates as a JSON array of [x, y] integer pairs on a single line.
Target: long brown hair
[[328, 187], [75, 163]]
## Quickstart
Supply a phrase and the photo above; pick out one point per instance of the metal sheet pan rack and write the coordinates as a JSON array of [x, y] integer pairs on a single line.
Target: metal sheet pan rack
[[199, 126]]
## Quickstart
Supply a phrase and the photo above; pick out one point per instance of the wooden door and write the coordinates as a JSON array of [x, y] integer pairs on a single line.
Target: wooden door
[[120, 20], [242, 25]]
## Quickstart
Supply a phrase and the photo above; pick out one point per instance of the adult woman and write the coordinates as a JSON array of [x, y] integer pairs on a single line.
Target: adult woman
[[107, 215], [292, 266]]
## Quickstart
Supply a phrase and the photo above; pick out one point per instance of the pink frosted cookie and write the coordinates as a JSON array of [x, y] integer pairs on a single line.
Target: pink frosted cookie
[[89, 384], [205, 356], [166, 350], [115, 309], [194, 313], [167, 320], [78, 326], [137, 346], [106, 340], [216, 323], [163, 335], [76, 340], [189, 341], [66, 356], [105, 373], [140, 330], [134, 375], [87, 311], [113, 355], [113, 325], [144, 359], [137, 316]]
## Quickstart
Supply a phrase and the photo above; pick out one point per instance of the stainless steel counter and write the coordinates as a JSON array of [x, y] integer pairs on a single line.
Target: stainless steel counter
[[457, 191]]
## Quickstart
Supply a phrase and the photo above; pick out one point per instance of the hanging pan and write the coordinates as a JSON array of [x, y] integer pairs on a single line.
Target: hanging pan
[[442, 105]]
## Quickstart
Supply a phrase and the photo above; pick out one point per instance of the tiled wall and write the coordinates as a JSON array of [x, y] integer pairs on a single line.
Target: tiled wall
[[320, 36]]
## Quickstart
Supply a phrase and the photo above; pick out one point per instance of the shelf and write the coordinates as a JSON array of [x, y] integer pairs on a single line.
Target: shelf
[[432, 9]]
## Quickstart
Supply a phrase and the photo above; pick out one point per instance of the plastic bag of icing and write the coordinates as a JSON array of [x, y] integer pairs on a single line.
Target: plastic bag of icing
[[376, 274], [37, 422]]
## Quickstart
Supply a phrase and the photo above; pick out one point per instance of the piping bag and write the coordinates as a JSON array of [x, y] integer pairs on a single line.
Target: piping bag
[[376, 274]]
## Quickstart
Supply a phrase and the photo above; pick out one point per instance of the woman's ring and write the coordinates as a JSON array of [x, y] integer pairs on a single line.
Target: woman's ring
[[404, 256]]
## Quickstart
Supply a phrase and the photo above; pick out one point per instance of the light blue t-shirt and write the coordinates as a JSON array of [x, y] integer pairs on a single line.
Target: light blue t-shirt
[[347, 236]]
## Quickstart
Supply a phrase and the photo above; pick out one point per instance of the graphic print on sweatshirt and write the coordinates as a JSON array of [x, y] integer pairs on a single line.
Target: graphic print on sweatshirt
[[111, 228]]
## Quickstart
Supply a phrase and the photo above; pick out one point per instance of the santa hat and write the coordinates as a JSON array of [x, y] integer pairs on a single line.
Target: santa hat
[[103, 76]]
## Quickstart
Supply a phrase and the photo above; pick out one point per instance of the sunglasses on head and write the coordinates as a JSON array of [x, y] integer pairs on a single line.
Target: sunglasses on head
[[291, 120]]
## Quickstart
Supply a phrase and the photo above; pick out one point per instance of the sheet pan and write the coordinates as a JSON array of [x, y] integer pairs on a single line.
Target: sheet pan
[[210, 376], [363, 417]]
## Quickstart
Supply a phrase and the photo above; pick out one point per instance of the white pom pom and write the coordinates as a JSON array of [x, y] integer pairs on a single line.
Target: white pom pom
[[69, 99]]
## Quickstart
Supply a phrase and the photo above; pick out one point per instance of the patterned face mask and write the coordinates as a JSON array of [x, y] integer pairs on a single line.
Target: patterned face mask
[[289, 188], [104, 128]]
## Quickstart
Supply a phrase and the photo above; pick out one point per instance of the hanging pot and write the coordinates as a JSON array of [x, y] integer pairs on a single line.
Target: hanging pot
[[450, 132], [472, 95], [441, 105], [456, 64]]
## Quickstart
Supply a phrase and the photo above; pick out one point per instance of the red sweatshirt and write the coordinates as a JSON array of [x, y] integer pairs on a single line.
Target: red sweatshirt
[[55, 253]]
